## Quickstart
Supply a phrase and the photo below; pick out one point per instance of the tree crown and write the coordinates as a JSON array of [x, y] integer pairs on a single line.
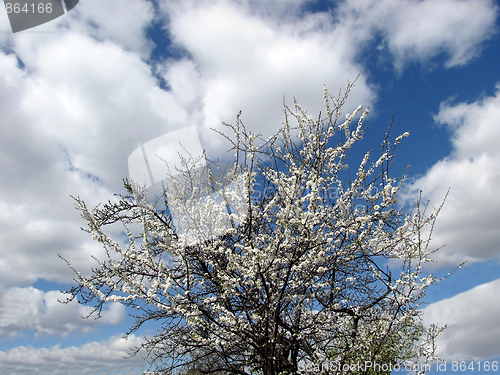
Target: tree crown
[[275, 261]]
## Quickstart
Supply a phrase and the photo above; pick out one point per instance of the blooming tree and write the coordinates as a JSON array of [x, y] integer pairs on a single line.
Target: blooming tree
[[312, 268]]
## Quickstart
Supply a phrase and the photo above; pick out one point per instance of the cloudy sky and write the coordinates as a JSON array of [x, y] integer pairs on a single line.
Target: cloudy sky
[[80, 93]]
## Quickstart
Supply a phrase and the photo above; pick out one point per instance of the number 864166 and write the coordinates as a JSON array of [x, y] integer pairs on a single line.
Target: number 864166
[[32, 8]]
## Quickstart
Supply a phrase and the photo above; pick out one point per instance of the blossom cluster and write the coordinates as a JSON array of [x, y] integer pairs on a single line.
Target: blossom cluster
[[260, 282]]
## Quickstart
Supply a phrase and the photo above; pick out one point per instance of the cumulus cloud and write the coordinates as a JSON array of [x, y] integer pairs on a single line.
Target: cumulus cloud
[[68, 127], [248, 62], [123, 21], [94, 358], [472, 318], [251, 53], [421, 30], [86, 99], [24, 309], [468, 224], [79, 97]]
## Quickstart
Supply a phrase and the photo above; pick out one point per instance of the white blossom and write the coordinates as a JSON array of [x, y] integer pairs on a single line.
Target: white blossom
[[287, 270]]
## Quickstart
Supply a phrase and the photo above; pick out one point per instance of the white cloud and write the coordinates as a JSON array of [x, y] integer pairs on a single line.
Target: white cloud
[[69, 124], [472, 319], [468, 224], [420, 30], [93, 99], [94, 358], [248, 62], [249, 54], [24, 309], [86, 99], [123, 21]]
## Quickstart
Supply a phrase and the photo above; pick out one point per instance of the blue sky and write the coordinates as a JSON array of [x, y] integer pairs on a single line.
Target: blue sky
[[80, 93]]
